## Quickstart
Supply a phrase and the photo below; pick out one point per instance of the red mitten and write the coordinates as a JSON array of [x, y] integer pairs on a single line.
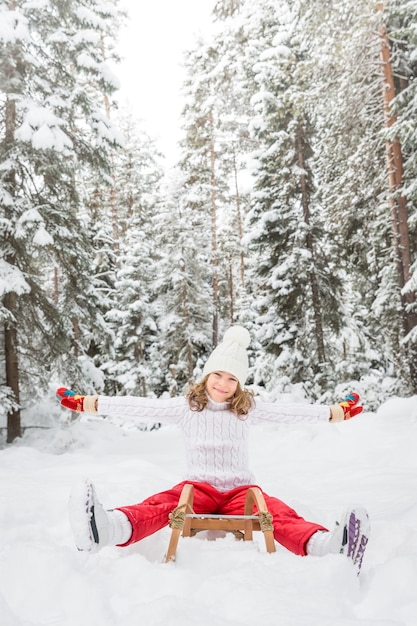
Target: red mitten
[[70, 400], [346, 409]]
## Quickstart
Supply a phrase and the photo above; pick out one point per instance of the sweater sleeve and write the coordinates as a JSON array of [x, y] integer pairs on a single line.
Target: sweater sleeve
[[288, 413], [146, 410]]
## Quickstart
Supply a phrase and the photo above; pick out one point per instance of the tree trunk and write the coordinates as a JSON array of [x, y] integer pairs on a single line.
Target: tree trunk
[[398, 203], [214, 261], [231, 291], [10, 299], [239, 222], [12, 368], [315, 291], [113, 199], [185, 308], [76, 337], [56, 285]]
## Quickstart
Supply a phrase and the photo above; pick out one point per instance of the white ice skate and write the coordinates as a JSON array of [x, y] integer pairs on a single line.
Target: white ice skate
[[350, 536], [89, 521]]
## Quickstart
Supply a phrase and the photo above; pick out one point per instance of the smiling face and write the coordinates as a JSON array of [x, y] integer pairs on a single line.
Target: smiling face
[[221, 386]]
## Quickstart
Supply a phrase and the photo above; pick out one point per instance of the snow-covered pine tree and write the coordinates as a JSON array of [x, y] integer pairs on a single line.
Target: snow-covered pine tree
[[217, 118], [344, 52], [137, 172], [199, 164], [52, 80], [227, 8], [398, 41], [295, 277], [182, 287], [231, 78]]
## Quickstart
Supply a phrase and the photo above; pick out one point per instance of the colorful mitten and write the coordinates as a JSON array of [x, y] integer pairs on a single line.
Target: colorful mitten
[[347, 409], [70, 400]]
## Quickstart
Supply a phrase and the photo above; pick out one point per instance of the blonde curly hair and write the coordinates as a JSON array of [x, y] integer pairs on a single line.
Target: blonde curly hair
[[240, 403]]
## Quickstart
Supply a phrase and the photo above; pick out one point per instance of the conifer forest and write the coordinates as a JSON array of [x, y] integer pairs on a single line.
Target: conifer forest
[[292, 209]]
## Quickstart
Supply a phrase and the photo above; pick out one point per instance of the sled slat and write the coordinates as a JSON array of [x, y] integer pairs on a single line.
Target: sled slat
[[197, 516]]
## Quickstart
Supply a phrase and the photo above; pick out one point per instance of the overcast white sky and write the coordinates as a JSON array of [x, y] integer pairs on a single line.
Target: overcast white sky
[[151, 75]]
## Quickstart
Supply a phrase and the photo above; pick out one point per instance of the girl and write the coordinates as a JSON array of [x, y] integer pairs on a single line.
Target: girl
[[215, 417]]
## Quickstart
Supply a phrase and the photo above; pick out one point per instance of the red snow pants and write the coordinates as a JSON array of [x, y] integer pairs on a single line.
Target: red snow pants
[[290, 530]]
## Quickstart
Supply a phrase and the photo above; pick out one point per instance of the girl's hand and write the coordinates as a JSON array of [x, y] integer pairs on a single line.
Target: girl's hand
[[71, 400], [346, 409]]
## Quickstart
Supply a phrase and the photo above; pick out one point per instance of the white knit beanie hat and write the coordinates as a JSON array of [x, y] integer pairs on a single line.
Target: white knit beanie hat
[[230, 356]]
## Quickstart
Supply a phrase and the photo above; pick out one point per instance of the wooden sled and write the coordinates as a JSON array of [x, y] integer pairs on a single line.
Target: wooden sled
[[184, 520]]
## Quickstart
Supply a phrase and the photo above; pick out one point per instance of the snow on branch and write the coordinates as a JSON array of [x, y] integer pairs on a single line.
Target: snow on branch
[[12, 279], [42, 127], [13, 26]]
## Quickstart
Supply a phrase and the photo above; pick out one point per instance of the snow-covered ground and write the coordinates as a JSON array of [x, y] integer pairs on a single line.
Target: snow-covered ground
[[319, 470]]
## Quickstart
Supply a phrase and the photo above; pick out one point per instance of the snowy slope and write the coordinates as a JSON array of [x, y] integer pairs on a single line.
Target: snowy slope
[[319, 470]]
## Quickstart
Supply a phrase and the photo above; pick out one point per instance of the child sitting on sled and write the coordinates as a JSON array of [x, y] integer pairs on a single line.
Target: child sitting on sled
[[215, 417]]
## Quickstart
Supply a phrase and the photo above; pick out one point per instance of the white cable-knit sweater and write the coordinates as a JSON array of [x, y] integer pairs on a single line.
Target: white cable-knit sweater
[[216, 441]]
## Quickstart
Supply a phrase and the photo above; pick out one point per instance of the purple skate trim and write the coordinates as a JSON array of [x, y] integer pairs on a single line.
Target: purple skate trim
[[356, 540], [353, 531], [361, 552]]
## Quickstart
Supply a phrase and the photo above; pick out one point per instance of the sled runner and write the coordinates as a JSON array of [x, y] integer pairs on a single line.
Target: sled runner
[[184, 520]]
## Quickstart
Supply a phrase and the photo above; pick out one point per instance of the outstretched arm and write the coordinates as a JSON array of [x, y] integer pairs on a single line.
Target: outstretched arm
[[299, 413], [164, 410]]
